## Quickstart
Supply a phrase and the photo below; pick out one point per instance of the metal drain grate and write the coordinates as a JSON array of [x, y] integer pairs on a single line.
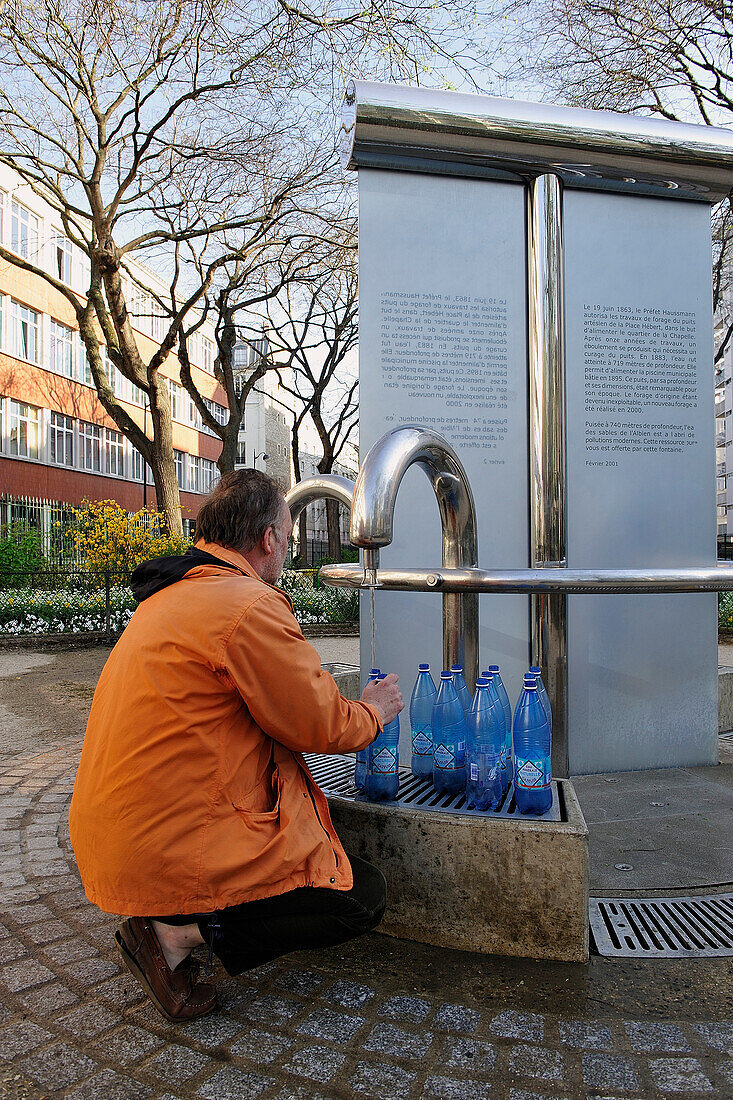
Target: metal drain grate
[[335, 776], [663, 928]]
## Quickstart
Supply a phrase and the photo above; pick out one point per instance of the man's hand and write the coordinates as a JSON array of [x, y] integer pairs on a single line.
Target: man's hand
[[385, 695]]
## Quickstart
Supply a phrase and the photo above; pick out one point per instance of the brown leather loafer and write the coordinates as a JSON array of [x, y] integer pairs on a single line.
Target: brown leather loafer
[[175, 993]]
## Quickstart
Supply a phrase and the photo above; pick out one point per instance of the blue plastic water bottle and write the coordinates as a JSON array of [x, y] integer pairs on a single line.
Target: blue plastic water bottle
[[459, 683], [361, 757], [382, 779], [532, 769], [421, 723], [506, 770], [504, 699], [449, 738], [484, 748], [542, 692]]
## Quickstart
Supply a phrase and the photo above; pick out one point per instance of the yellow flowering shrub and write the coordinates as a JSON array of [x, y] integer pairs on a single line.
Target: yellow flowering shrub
[[104, 536]]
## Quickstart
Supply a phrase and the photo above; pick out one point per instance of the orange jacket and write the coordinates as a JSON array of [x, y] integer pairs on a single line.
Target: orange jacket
[[191, 793]]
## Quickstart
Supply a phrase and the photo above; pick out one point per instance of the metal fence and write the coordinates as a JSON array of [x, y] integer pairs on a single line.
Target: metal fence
[[62, 601]]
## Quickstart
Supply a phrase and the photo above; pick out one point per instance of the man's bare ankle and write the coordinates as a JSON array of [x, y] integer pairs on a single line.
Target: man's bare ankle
[[177, 940]]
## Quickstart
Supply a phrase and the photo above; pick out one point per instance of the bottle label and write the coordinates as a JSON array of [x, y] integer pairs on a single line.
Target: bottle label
[[422, 745], [530, 777], [473, 772], [444, 758], [385, 762]]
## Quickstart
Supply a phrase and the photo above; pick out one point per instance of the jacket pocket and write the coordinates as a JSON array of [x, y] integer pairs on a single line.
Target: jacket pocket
[[254, 817]]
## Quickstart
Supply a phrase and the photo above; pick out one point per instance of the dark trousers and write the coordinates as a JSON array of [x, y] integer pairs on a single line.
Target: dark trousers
[[245, 936]]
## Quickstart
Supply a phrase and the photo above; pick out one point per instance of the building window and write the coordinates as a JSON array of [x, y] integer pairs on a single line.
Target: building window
[[176, 392], [23, 231], [62, 256], [180, 461], [114, 453], [207, 354], [194, 473], [208, 475], [24, 429], [62, 349], [23, 332], [62, 439], [91, 446], [138, 465]]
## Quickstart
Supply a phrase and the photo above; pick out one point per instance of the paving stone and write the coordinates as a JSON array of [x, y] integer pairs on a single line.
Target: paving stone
[[444, 1088], [522, 1094], [269, 1010], [317, 1063], [649, 1037], [92, 970], [24, 974], [302, 982], [679, 1075], [211, 1031], [176, 1063], [28, 914], [68, 952], [48, 998], [334, 1026], [88, 1021], [469, 1054], [457, 1018], [21, 1038], [129, 1044], [10, 950], [49, 869], [261, 1046], [405, 1008], [718, 1036], [233, 1084], [232, 994], [109, 1085], [47, 932], [121, 991], [381, 1081], [299, 1092], [58, 1066], [348, 994], [540, 1062], [609, 1071], [395, 1041], [586, 1035], [518, 1025]]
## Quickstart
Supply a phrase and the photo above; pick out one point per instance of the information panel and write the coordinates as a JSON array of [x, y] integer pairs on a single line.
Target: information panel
[[442, 344], [642, 670]]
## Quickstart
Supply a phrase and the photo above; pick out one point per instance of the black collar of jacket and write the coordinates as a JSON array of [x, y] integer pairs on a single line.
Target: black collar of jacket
[[151, 576]]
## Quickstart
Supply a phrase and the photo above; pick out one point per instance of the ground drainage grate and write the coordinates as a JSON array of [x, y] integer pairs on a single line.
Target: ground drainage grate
[[663, 928], [335, 776]]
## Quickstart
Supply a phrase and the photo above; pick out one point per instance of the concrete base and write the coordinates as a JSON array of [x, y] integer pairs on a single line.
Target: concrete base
[[725, 699], [501, 887]]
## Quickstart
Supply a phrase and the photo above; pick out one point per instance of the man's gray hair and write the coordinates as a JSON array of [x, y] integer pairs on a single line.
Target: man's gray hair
[[239, 510]]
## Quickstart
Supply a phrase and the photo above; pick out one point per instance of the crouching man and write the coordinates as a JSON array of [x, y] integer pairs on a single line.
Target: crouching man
[[193, 811]]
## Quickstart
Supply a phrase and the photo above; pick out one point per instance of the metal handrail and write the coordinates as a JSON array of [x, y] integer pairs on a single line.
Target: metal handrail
[[549, 578]]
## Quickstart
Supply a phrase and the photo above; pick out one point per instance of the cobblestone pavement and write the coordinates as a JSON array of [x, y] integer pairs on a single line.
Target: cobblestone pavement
[[378, 1018]]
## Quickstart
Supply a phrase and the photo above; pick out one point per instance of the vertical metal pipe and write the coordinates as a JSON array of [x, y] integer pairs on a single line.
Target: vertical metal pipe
[[547, 444]]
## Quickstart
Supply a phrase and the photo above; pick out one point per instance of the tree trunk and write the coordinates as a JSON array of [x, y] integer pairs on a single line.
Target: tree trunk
[[334, 529], [163, 464]]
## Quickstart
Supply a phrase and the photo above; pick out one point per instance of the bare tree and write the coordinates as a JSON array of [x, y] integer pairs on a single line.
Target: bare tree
[[312, 329], [672, 58], [144, 125]]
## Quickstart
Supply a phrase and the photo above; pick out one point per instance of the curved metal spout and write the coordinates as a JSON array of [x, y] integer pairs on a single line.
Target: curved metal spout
[[372, 522], [319, 487]]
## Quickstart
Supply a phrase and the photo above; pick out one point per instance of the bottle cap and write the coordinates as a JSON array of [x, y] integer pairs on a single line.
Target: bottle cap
[[456, 668], [446, 674], [493, 668], [535, 671], [424, 668], [482, 682], [530, 678], [486, 674], [374, 672]]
